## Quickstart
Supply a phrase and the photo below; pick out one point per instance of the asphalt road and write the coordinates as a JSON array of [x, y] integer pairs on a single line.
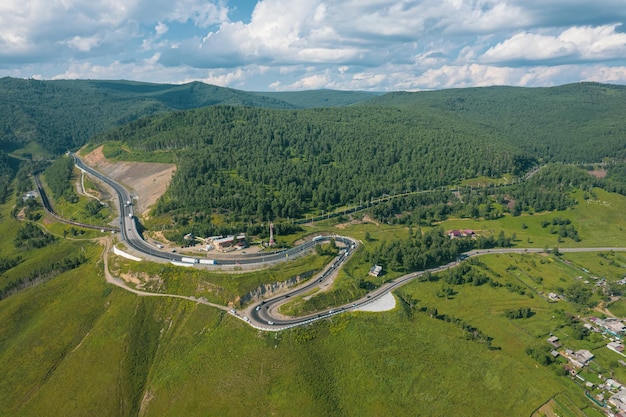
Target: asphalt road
[[263, 315], [130, 234]]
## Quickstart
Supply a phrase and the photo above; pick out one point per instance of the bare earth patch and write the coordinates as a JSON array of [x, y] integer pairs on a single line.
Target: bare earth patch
[[598, 173], [385, 303], [365, 219], [146, 181]]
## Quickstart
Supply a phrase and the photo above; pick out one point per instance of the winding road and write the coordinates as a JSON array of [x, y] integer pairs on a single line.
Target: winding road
[[264, 315]]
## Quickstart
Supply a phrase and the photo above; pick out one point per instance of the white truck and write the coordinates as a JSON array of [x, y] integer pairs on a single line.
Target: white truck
[[189, 260], [207, 261]]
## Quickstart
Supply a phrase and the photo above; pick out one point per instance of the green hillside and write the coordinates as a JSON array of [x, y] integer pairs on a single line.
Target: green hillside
[[572, 123], [320, 98], [64, 114], [470, 341], [254, 164]]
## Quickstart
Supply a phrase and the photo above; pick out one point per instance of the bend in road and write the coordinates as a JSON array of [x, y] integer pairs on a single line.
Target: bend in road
[[262, 315]]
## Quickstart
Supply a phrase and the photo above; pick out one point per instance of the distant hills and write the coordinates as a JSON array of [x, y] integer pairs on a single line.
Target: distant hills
[[64, 114], [580, 122], [554, 123]]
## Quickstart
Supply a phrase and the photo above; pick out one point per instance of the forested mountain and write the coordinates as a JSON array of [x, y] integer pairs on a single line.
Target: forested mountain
[[581, 122], [321, 98], [62, 115], [253, 164], [260, 163]]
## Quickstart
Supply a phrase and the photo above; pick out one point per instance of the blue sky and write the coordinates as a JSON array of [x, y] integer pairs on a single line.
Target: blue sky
[[283, 45]]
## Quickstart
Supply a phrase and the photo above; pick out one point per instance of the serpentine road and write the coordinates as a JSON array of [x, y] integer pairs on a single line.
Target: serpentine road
[[264, 315]]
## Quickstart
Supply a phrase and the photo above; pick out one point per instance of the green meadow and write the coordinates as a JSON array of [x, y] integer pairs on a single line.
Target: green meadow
[[75, 346]]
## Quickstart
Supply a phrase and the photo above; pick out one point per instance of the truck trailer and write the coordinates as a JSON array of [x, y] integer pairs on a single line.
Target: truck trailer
[[189, 260]]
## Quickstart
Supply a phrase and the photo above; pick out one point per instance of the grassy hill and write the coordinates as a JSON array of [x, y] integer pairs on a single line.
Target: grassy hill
[[74, 345], [71, 345]]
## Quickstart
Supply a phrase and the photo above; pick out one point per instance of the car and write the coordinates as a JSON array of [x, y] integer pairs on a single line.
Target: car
[[258, 308], [331, 311], [270, 323], [246, 319]]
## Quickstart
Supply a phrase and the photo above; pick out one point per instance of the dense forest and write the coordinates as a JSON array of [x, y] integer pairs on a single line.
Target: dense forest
[[572, 123], [255, 164], [251, 157], [259, 164], [64, 114]]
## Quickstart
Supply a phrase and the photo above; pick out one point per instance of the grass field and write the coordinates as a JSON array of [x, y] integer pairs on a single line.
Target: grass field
[[74, 346]]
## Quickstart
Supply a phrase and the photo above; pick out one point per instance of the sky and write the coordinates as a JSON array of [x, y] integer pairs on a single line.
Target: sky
[[286, 45]]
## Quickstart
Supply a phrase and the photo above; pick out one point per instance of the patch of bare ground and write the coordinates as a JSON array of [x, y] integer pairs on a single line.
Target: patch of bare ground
[[598, 173], [145, 180], [365, 219]]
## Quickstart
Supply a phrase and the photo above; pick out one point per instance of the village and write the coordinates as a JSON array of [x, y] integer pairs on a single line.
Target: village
[[604, 390]]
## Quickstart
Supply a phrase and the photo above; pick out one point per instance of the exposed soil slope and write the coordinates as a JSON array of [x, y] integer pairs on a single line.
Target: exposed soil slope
[[146, 181]]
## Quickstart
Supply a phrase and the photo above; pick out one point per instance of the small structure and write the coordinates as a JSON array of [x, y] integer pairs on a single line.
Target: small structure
[[29, 195], [554, 341], [619, 400], [375, 270], [271, 242], [225, 243], [583, 356], [616, 347], [554, 296]]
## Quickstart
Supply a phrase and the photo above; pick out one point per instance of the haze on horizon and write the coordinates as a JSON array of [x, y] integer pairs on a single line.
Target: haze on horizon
[[282, 45]]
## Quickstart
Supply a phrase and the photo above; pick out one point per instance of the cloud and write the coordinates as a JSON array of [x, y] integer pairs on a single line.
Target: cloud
[[344, 44], [573, 44], [160, 29], [38, 29]]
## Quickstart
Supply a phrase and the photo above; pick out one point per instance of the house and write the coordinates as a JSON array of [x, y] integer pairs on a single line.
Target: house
[[554, 341], [614, 326], [375, 270], [612, 384], [616, 347], [454, 234], [619, 400], [555, 353], [583, 356], [554, 296], [229, 242]]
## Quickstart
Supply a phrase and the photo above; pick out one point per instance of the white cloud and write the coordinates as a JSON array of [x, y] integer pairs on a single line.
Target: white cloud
[[345, 44], [160, 29], [576, 43]]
